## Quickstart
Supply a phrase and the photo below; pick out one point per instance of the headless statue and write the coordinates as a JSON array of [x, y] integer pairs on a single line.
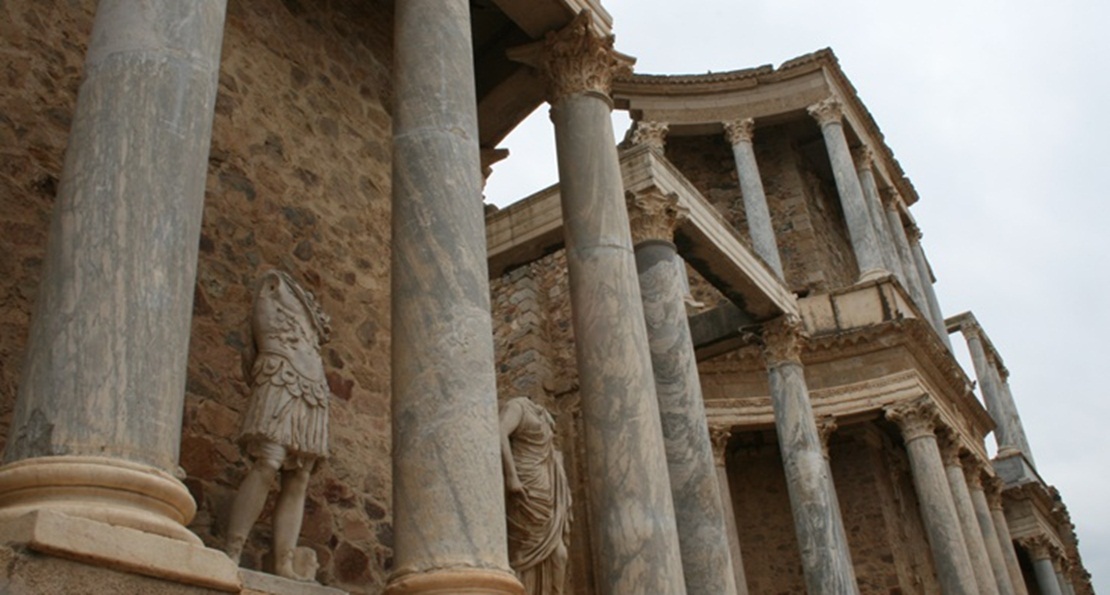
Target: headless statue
[[538, 502], [285, 428]]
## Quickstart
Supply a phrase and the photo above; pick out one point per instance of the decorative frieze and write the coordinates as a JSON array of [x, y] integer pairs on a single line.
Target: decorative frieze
[[650, 133], [653, 215], [739, 131], [578, 60], [916, 419], [783, 339]]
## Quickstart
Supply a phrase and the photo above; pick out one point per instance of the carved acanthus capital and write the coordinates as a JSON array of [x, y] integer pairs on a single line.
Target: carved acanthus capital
[[950, 448], [971, 330], [863, 156], [1039, 546], [577, 60], [653, 215], [913, 233], [827, 111], [719, 435], [650, 133], [992, 487], [739, 131], [974, 471], [783, 339], [826, 425], [890, 197], [917, 418]]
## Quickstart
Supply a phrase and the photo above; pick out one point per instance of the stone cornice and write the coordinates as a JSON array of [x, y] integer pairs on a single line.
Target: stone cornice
[[916, 419], [650, 133], [739, 131], [653, 215]]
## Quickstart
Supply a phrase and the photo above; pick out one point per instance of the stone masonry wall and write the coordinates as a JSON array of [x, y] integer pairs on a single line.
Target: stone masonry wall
[[299, 178]]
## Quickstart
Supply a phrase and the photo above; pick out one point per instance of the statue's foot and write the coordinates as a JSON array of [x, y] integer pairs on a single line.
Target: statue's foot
[[298, 564], [234, 548]]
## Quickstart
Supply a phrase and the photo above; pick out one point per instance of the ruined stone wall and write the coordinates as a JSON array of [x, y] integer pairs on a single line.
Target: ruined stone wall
[[299, 178]]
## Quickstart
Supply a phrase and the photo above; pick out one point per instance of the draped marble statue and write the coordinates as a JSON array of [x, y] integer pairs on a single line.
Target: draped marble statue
[[538, 502], [286, 425]]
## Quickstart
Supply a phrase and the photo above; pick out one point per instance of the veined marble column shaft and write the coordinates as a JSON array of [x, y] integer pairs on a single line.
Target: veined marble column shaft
[[1040, 552], [864, 243], [914, 236], [1013, 418], [905, 255], [720, 436], [97, 423], [706, 562], [917, 419], [448, 499], [974, 477], [739, 135], [993, 492], [826, 559], [965, 510], [865, 160], [1007, 432], [632, 515]]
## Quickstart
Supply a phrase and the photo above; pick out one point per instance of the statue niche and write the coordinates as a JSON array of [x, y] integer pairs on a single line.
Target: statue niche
[[286, 425], [538, 497]]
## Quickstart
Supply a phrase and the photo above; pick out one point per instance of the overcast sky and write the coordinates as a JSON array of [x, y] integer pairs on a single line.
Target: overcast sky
[[998, 112]]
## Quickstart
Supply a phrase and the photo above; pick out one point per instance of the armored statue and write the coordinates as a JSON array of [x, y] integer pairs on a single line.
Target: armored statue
[[286, 424], [538, 497]]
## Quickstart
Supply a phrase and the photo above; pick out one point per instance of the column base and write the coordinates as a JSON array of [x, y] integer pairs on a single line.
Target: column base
[[470, 581], [106, 490]]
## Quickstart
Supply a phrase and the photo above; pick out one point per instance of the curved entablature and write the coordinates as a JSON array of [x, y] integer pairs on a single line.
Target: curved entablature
[[700, 104]]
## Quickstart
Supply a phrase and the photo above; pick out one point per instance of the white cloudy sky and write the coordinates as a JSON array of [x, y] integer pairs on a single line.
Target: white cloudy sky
[[998, 112]]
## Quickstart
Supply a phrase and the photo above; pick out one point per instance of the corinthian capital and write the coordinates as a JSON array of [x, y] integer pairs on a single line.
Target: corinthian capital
[[1038, 546], [739, 131], [973, 472], [949, 444], [650, 133], [719, 436], [826, 111], [863, 156], [917, 418], [653, 215], [783, 339]]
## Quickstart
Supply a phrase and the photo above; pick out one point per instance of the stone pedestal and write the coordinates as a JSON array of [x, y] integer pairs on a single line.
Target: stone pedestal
[[760, 228], [917, 419], [826, 559], [720, 436], [965, 510], [1040, 552], [706, 562], [864, 243], [97, 424], [993, 493], [632, 517], [448, 495]]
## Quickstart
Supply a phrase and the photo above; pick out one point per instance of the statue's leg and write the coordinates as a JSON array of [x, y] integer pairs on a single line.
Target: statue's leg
[[559, 568], [287, 519], [248, 504]]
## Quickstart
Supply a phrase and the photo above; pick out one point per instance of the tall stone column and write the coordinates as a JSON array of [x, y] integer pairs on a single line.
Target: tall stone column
[[720, 435], [973, 471], [1061, 576], [97, 422], [904, 253], [448, 499], [864, 243], [739, 134], [918, 420], [1008, 432], [1039, 549], [702, 539], [965, 510], [826, 560], [864, 159], [922, 265], [1016, 429], [632, 515], [993, 492]]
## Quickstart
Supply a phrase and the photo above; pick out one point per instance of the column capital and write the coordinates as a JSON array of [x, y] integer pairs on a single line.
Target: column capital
[[974, 471], [719, 435], [826, 425], [739, 131], [890, 197], [1038, 546], [650, 133], [653, 215], [783, 339], [917, 418], [950, 448], [971, 330], [863, 156], [913, 233], [992, 487], [827, 111]]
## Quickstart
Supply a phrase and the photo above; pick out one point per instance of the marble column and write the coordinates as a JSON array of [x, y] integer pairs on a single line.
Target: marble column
[[892, 208], [739, 134], [97, 423], [1061, 577], [826, 559], [631, 516], [1039, 549], [993, 492], [864, 243], [1008, 432], [702, 538], [973, 471], [965, 510], [918, 420], [922, 265], [1013, 420], [448, 499], [864, 159], [720, 436]]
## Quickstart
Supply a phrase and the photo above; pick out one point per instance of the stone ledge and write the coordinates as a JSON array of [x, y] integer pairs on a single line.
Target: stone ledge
[[121, 548], [260, 583]]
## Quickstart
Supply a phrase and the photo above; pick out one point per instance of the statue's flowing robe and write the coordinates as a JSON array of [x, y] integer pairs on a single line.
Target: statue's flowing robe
[[538, 520]]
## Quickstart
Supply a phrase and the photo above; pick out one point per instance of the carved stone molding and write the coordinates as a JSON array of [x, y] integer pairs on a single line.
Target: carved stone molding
[[1038, 546], [653, 215], [827, 111], [917, 418], [650, 133], [577, 60], [738, 131], [719, 435], [863, 157], [783, 339]]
